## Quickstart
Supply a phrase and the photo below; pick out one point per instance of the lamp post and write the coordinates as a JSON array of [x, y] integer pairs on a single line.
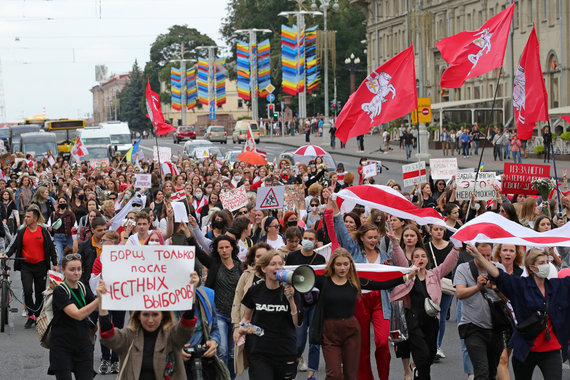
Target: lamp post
[[325, 5], [351, 63]]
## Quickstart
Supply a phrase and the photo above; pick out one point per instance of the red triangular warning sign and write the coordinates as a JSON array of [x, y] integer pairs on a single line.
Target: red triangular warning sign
[[270, 200]]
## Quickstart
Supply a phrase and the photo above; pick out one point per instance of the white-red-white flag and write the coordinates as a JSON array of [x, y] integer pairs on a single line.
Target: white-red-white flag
[[374, 272], [249, 141], [79, 150], [170, 168], [490, 227]]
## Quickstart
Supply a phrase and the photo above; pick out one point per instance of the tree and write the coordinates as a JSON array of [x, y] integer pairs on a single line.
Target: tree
[[167, 47], [132, 98]]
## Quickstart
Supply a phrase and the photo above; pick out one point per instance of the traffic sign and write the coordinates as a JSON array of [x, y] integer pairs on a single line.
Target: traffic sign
[[212, 103], [212, 115], [270, 97], [213, 109], [270, 88], [423, 113]]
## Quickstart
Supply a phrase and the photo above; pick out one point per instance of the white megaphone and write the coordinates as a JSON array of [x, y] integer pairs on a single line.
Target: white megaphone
[[302, 278]]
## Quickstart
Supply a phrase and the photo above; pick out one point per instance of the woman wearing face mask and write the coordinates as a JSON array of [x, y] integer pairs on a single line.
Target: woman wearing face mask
[[154, 238], [290, 219], [213, 201], [62, 236], [313, 215], [247, 279], [423, 325], [547, 347], [198, 202], [363, 161], [78, 205]]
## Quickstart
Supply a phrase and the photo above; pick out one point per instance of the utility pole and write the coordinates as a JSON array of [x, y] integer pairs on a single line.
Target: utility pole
[[253, 69], [423, 136], [183, 88]]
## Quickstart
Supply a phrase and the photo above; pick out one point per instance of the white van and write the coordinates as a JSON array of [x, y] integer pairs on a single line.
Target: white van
[[120, 136], [94, 136]]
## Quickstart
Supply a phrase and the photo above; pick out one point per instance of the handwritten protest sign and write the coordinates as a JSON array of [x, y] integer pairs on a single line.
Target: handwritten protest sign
[[369, 171], [294, 198], [148, 277], [377, 163], [270, 197], [163, 152], [484, 190], [234, 199], [415, 172], [180, 213], [443, 168], [517, 178], [143, 181], [96, 162]]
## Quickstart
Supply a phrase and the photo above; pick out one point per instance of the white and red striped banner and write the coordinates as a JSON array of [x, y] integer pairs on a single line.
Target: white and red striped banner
[[415, 172], [374, 272], [390, 201], [493, 228], [178, 196]]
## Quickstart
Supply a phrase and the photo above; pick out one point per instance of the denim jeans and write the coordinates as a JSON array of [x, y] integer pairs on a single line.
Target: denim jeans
[[308, 312], [475, 146], [226, 347], [445, 304], [517, 154], [507, 151], [61, 241], [409, 148], [465, 148], [467, 365]]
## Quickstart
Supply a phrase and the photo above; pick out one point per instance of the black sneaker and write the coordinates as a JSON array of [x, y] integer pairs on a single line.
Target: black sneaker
[[115, 367], [105, 367], [29, 323]]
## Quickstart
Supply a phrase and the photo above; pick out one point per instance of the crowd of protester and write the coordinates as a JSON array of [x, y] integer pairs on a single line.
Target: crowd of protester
[[59, 216]]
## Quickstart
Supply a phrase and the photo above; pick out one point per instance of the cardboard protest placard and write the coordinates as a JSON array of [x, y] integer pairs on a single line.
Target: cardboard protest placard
[[270, 197], [163, 153], [96, 162], [234, 199], [148, 277], [369, 170], [143, 181], [443, 168], [484, 190], [415, 172], [377, 163], [180, 213], [294, 198], [51, 160], [517, 178]]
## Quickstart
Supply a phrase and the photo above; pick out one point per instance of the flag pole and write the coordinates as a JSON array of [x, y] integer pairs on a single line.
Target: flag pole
[[158, 157], [487, 134], [555, 173]]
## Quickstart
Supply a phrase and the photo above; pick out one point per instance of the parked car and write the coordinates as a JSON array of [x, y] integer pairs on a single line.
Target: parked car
[[216, 133], [231, 157], [184, 133], [240, 131], [190, 145]]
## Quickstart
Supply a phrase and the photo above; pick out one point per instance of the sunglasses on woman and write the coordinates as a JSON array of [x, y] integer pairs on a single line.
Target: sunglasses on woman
[[72, 256]]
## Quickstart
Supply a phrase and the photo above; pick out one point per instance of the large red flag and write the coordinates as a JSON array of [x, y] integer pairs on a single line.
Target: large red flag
[[566, 118], [155, 112], [473, 53], [529, 93], [386, 94]]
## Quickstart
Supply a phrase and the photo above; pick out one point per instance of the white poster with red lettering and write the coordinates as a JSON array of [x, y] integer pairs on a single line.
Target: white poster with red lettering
[[415, 172], [148, 277]]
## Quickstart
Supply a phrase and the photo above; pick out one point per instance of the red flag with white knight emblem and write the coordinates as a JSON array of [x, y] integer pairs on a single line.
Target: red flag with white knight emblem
[[154, 112], [386, 94], [473, 53], [530, 100]]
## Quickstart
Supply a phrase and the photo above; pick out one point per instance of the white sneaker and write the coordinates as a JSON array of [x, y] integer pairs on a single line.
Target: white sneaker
[[471, 377], [439, 354], [302, 366]]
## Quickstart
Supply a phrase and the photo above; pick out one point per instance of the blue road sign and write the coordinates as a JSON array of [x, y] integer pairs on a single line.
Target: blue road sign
[[212, 115], [270, 97], [212, 109], [212, 103]]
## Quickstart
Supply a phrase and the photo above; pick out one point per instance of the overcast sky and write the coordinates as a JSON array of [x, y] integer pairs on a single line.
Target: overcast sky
[[49, 48]]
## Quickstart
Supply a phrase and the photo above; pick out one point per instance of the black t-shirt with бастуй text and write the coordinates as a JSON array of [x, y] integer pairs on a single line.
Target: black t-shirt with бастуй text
[[272, 312]]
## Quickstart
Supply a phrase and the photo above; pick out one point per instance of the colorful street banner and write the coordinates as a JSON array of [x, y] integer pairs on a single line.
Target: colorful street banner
[[313, 62], [203, 81], [220, 82], [175, 88], [243, 70], [191, 95], [289, 59], [263, 67]]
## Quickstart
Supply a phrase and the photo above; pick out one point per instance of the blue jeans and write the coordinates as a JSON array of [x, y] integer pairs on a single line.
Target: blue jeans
[[467, 365], [61, 241], [517, 154], [475, 146], [226, 347], [465, 149], [507, 152], [409, 148], [445, 304], [308, 312]]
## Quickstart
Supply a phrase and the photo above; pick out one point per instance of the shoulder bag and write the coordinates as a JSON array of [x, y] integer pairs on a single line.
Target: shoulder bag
[[536, 323], [446, 283]]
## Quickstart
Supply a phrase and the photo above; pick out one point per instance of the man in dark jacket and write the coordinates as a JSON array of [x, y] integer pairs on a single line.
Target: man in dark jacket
[[33, 244], [91, 248]]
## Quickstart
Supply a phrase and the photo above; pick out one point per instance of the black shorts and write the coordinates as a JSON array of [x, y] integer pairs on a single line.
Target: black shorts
[[402, 349]]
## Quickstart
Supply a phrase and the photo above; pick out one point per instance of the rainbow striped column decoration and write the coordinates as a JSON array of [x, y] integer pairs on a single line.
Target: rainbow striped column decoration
[[203, 81], [220, 82], [243, 71], [191, 88], [175, 89], [289, 59], [263, 66], [313, 63], [301, 61]]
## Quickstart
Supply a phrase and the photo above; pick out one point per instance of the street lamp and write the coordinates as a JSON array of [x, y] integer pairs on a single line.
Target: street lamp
[[351, 63], [325, 5]]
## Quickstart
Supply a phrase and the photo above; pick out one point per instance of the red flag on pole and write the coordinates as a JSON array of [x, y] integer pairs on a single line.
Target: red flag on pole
[[566, 118], [79, 150], [155, 112], [530, 100], [386, 94], [473, 53]]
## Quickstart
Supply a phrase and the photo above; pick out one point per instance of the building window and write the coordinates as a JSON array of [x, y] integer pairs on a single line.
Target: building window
[[545, 10], [516, 15], [240, 103], [530, 14], [477, 92], [469, 21]]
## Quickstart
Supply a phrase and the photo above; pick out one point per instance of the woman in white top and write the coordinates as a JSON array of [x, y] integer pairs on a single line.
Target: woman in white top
[[272, 236]]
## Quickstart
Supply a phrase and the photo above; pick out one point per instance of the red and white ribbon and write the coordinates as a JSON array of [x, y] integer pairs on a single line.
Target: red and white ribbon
[[493, 228]]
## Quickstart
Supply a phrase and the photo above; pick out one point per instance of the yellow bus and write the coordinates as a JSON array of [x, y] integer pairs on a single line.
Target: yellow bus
[[65, 130]]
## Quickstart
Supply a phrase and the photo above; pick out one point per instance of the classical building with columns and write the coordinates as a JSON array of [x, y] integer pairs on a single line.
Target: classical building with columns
[[392, 25]]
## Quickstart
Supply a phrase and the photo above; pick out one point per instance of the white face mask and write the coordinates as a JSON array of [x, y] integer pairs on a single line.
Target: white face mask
[[543, 270], [314, 208], [208, 190], [305, 178], [153, 242], [198, 195], [237, 178]]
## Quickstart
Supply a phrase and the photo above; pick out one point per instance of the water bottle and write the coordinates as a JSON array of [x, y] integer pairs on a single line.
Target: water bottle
[[256, 329], [11, 318]]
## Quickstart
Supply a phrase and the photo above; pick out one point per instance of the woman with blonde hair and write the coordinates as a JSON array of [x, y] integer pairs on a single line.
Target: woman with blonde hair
[[42, 200], [529, 212]]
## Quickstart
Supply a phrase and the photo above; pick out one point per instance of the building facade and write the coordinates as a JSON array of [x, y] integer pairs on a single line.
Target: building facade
[[106, 98], [393, 25]]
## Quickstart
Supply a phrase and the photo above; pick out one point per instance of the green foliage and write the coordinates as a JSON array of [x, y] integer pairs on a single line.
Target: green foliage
[[395, 124], [539, 149], [132, 100], [565, 136]]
